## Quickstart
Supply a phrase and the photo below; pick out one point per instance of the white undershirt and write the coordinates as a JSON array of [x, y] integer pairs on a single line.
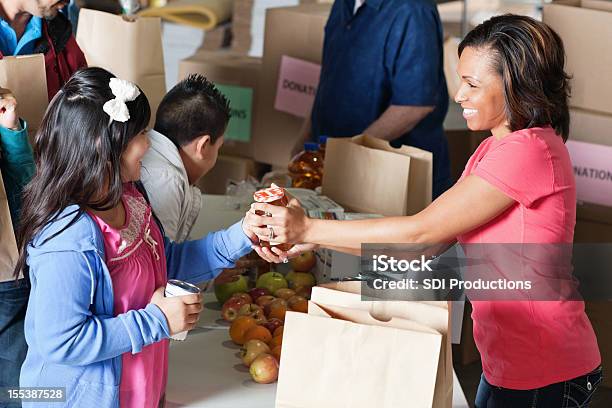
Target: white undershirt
[[358, 4]]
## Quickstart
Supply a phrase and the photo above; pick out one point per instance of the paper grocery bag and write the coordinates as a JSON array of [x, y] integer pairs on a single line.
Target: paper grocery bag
[[131, 50], [341, 357], [367, 175], [26, 78], [435, 315], [8, 247]]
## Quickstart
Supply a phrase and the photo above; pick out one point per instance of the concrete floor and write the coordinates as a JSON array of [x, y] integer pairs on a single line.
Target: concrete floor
[[469, 377]]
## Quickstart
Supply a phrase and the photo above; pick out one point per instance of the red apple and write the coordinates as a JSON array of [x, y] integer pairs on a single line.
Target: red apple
[[273, 324], [247, 298], [255, 293], [303, 262], [254, 311], [264, 369], [251, 350], [230, 308]]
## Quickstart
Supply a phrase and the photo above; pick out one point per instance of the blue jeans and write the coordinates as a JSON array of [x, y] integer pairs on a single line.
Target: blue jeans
[[576, 393], [13, 303]]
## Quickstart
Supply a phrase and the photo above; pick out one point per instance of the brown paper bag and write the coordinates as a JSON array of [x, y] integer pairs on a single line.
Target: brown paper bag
[[8, 247], [435, 315], [26, 78], [341, 357], [367, 175], [131, 50]]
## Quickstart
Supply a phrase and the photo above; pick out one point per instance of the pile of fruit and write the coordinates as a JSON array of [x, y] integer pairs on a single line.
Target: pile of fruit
[[257, 315]]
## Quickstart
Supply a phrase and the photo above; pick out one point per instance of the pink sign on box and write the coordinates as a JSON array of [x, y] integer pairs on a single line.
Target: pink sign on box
[[593, 171], [297, 86]]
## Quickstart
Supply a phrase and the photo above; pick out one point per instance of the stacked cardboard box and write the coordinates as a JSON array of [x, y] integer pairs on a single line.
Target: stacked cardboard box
[[236, 76], [227, 169], [295, 32], [248, 23], [584, 25]]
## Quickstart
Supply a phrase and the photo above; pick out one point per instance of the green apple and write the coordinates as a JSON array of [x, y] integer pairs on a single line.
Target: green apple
[[297, 279], [272, 281], [224, 291]]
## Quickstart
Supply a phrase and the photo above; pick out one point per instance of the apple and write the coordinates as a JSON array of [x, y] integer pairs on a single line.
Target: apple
[[254, 311], [256, 293], [273, 324], [224, 291], [247, 298], [298, 304], [264, 300], [230, 308], [276, 309], [272, 281], [304, 262], [251, 350], [284, 293], [264, 369], [297, 279], [303, 291]]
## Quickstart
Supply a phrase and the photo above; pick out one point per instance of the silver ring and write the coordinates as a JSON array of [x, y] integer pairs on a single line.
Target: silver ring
[[271, 236]]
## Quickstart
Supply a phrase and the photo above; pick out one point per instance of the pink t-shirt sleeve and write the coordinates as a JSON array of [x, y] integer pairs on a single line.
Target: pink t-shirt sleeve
[[520, 166]]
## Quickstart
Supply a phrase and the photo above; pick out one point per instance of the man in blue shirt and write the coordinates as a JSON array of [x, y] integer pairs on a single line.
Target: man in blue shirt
[[383, 75]]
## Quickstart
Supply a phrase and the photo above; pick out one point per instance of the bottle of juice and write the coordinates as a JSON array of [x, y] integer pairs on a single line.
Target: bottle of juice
[[306, 168], [274, 195], [322, 144]]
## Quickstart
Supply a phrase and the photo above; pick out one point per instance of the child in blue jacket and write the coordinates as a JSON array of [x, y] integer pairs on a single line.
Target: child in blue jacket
[[97, 322]]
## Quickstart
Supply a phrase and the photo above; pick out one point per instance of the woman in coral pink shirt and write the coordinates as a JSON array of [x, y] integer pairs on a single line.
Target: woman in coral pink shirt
[[518, 188]]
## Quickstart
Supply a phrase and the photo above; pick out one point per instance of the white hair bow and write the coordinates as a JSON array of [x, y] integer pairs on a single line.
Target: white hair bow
[[124, 91]]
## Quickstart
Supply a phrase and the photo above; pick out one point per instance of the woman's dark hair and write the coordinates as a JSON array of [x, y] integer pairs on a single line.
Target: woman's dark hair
[[77, 152], [529, 56]]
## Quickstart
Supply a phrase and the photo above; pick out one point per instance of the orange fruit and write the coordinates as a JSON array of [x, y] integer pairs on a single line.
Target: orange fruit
[[258, 333], [276, 341], [276, 352], [278, 331], [239, 328]]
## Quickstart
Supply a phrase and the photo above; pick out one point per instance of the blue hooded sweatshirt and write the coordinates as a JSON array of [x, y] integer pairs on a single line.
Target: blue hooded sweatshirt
[[75, 340]]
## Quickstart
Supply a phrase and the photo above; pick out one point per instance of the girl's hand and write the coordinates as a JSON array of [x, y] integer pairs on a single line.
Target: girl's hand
[[286, 225], [182, 312], [276, 255], [8, 110]]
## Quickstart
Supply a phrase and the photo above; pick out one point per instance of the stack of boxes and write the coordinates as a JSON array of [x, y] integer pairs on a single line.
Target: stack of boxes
[[586, 29], [258, 133]]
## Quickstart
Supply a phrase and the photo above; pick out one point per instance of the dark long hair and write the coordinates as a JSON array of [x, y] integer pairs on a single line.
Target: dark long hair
[[77, 152], [530, 58]]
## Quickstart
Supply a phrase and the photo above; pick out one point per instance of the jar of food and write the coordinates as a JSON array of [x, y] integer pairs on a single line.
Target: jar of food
[[274, 196]]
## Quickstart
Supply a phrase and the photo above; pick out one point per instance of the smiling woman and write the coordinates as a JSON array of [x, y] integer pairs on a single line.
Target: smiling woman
[[517, 188]]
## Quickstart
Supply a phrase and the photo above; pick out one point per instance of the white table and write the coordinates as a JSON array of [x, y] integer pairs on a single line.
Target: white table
[[205, 371]]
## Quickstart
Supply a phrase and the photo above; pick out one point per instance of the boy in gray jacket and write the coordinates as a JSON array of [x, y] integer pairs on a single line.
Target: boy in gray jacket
[[188, 133]]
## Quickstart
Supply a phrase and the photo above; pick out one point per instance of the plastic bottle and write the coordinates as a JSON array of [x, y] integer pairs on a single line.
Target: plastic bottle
[[322, 144], [306, 168]]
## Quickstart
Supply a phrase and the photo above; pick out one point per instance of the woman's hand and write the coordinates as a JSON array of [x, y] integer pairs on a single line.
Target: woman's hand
[[8, 110], [182, 312], [286, 224]]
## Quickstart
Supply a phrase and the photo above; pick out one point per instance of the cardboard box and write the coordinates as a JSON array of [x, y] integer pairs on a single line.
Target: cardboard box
[[585, 27], [228, 168], [237, 77], [589, 144], [294, 32]]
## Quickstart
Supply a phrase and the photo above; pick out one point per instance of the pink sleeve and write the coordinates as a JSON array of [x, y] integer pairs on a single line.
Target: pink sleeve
[[521, 167]]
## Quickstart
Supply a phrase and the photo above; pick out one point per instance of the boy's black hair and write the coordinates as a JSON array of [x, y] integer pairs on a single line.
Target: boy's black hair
[[194, 107]]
